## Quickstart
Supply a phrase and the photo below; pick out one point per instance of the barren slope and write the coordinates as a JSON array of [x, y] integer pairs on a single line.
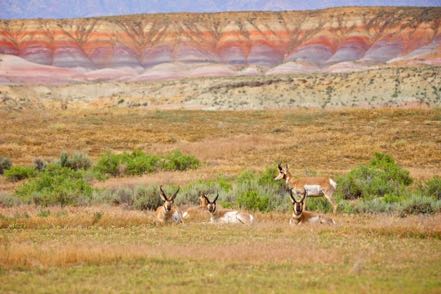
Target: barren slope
[[168, 46]]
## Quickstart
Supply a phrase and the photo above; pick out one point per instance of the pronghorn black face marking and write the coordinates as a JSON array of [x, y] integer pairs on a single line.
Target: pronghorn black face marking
[[211, 206], [168, 201], [297, 205]]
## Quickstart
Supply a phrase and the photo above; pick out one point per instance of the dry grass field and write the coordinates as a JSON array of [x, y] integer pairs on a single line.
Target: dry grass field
[[327, 142], [110, 249], [74, 250]]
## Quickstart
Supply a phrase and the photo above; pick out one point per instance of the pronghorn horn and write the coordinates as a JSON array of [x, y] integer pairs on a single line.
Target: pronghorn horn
[[215, 199], [176, 193], [280, 166], [293, 199], [163, 193]]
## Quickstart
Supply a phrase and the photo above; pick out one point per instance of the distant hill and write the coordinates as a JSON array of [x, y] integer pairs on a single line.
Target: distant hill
[[88, 8], [168, 46]]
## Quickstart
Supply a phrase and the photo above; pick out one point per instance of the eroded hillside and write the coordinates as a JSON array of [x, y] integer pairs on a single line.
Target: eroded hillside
[[168, 46]]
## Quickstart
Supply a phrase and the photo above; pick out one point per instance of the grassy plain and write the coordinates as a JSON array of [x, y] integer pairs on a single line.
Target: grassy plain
[[325, 142], [74, 250]]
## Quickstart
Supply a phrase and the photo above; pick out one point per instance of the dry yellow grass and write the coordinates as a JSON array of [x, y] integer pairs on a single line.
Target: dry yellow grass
[[125, 251]]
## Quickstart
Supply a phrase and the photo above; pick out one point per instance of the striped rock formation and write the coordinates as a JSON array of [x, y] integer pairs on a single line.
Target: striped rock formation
[[167, 46]]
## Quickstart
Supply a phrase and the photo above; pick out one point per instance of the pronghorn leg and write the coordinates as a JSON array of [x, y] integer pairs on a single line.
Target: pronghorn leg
[[328, 196]]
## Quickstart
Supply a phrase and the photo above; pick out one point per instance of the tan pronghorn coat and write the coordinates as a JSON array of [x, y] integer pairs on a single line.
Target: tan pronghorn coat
[[198, 212], [314, 186], [227, 216], [300, 216], [168, 212]]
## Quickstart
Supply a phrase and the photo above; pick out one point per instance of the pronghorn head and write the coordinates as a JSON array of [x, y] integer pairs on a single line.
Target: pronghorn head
[[203, 200], [297, 205], [283, 172], [168, 201], [211, 206]]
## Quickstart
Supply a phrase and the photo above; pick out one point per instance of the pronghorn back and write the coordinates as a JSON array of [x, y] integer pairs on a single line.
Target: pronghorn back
[[314, 186], [226, 216]]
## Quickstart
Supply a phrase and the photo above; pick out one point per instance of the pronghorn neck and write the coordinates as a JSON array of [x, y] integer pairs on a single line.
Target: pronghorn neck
[[297, 216]]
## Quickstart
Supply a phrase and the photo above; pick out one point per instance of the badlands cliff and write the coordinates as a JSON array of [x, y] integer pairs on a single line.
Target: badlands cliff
[[169, 46]]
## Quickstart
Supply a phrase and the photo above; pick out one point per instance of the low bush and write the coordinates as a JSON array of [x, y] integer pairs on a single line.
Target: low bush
[[147, 197], [8, 200], [432, 187], [176, 160], [5, 164], [252, 200], [18, 173], [75, 161], [380, 177], [419, 205], [40, 164], [139, 197], [139, 162], [56, 185]]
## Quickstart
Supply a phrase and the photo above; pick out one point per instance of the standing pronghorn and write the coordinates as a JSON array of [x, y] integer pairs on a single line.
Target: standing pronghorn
[[314, 186], [227, 216], [300, 216], [167, 212]]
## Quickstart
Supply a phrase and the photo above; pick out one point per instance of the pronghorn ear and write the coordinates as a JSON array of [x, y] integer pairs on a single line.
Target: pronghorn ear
[[293, 200], [162, 194], [305, 193], [176, 193], [286, 167], [279, 166]]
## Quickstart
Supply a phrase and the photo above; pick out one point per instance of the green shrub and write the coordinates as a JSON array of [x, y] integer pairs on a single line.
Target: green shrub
[[139, 162], [418, 205], [432, 187], [382, 176], [393, 171], [18, 173], [109, 163], [147, 197], [56, 185], [176, 160], [75, 161], [252, 200], [5, 164]]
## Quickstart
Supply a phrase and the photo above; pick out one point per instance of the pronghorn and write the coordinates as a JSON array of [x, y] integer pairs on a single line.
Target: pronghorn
[[300, 216], [314, 186], [167, 212], [197, 211], [227, 216]]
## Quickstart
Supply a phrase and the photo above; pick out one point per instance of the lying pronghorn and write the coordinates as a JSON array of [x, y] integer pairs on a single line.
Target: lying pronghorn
[[167, 212], [197, 211], [227, 216], [300, 216], [314, 186]]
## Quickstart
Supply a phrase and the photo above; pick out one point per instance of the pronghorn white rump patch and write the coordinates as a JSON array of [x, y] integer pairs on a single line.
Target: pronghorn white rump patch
[[333, 184], [313, 190]]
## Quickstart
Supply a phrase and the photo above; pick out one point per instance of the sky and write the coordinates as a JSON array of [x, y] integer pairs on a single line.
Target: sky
[[87, 8]]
